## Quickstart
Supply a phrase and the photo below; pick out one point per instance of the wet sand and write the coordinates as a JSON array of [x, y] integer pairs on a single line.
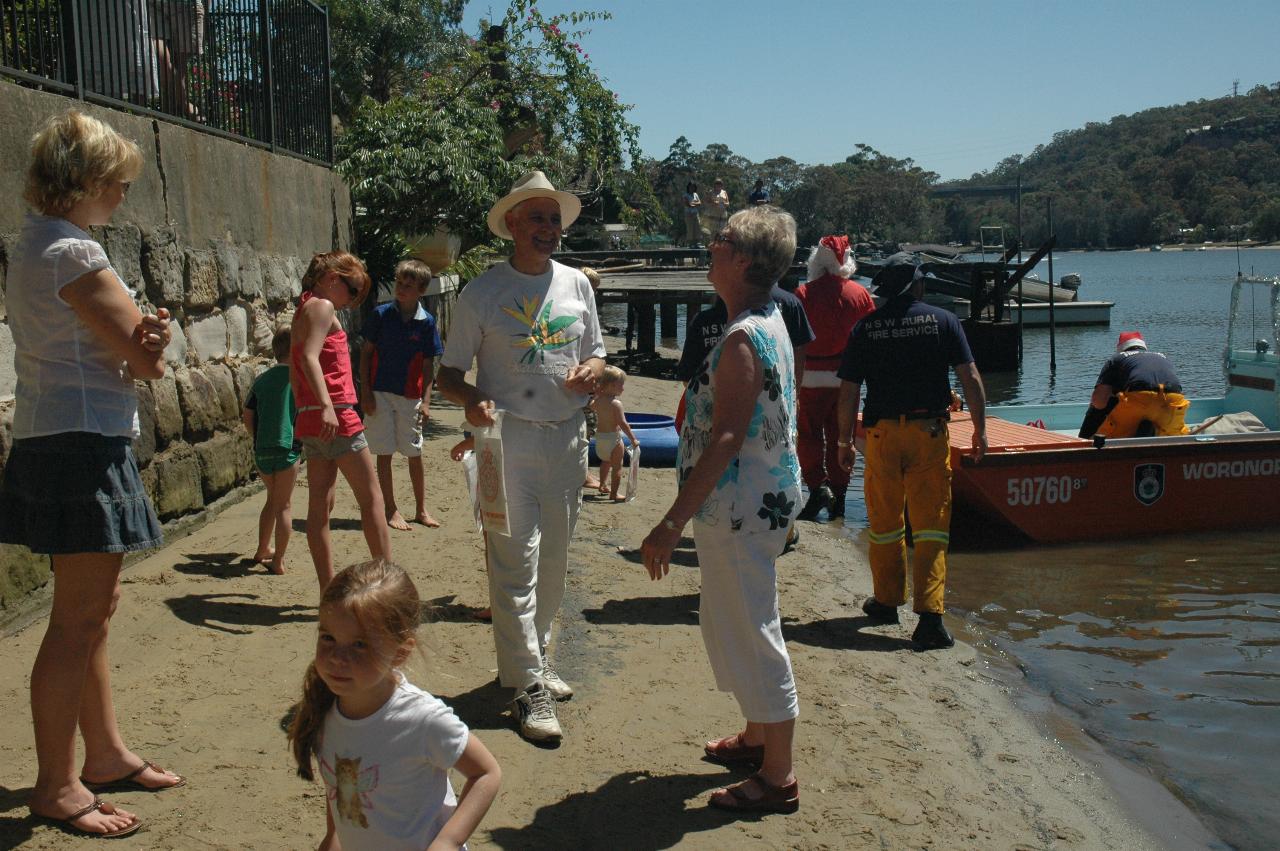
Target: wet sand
[[894, 749]]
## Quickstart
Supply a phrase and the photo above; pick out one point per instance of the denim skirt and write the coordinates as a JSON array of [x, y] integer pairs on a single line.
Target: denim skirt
[[76, 492]]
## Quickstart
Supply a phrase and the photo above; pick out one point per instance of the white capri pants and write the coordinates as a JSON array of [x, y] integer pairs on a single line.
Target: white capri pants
[[543, 465], [740, 624]]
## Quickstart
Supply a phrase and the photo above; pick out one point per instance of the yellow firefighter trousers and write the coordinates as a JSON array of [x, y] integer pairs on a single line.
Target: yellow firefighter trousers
[[908, 463], [1166, 411]]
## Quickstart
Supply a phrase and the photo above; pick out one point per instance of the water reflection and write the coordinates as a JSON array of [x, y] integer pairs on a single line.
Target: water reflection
[[1164, 648]]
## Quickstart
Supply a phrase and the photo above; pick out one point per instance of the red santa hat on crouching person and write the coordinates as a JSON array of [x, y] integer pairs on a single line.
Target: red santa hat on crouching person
[[1130, 340], [833, 256]]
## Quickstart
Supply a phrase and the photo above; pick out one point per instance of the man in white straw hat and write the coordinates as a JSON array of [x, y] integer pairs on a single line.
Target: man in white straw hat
[[530, 326]]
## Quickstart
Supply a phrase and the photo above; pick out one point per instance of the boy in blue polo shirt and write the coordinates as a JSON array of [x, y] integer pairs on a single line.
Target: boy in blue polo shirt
[[397, 368]]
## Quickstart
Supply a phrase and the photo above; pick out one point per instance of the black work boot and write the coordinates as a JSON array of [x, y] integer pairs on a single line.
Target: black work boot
[[819, 498], [879, 612], [836, 509], [931, 633]]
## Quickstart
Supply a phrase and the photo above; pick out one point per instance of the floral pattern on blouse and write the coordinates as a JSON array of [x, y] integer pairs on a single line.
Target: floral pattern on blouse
[[760, 488]]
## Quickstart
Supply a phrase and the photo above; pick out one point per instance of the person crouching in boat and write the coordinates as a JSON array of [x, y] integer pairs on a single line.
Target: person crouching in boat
[[1137, 395]]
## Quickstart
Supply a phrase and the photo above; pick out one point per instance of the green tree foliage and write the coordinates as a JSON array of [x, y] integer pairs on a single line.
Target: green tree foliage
[[381, 47], [1211, 166], [438, 123]]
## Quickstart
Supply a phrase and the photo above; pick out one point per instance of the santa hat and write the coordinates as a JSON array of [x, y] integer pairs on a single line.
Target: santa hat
[[1130, 340], [832, 256]]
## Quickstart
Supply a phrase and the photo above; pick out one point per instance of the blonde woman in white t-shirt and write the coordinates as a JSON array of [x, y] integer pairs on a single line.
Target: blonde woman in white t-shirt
[[71, 487]]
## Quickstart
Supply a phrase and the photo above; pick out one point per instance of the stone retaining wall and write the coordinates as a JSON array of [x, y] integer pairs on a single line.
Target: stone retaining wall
[[219, 233]]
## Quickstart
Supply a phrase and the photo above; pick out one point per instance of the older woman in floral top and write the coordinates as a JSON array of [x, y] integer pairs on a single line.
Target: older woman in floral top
[[740, 484]]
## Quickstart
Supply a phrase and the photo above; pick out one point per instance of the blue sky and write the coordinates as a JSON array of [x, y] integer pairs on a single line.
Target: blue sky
[[956, 86]]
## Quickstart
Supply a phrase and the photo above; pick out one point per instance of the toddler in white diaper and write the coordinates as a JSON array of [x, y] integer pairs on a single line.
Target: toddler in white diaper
[[611, 420]]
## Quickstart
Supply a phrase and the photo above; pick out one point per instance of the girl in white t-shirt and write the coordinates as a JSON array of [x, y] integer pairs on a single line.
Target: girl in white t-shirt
[[384, 746]]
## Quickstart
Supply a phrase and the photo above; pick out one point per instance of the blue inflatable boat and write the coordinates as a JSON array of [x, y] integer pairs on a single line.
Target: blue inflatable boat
[[657, 436]]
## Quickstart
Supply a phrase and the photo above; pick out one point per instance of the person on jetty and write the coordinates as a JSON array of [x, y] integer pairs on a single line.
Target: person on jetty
[[692, 212], [397, 370], [834, 304], [328, 426], [903, 351], [71, 487], [1137, 394], [717, 205], [759, 194], [739, 481], [384, 746], [268, 416], [530, 326]]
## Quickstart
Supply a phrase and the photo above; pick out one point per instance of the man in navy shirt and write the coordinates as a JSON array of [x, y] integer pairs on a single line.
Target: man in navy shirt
[[708, 326], [759, 194], [904, 352], [1137, 394]]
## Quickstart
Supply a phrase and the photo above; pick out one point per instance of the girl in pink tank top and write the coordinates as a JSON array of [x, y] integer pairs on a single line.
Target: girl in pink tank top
[[329, 427]]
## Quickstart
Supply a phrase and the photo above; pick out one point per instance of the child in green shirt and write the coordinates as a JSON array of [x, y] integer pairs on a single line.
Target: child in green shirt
[[268, 414]]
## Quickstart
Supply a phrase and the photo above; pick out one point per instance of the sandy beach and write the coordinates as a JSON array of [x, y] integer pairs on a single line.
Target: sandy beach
[[894, 749]]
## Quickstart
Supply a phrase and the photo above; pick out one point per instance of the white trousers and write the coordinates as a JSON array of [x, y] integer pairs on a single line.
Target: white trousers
[[543, 465], [740, 624]]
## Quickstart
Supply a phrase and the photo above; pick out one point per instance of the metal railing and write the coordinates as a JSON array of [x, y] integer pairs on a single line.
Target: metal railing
[[255, 70]]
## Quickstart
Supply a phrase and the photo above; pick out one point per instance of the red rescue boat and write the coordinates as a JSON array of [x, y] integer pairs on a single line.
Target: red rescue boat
[[1053, 488]]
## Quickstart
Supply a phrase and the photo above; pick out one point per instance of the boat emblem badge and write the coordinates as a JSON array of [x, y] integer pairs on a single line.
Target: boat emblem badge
[[1148, 483]]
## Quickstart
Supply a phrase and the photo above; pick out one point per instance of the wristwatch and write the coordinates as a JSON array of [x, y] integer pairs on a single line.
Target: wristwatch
[[669, 524]]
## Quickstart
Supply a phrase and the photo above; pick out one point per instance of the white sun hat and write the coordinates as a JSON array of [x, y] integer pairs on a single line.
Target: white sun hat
[[534, 184]]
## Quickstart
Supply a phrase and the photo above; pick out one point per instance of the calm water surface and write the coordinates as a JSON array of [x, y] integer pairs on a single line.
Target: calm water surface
[[1166, 651]]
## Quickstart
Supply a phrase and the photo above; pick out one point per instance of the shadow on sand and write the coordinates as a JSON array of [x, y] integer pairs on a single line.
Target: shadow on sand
[[220, 565], [842, 634], [225, 612], [650, 611], [633, 810], [444, 609], [16, 825], [344, 524]]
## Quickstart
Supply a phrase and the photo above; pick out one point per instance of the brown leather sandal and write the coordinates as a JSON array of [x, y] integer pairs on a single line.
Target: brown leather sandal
[[131, 783], [774, 799], [732, 750], [67, 822]]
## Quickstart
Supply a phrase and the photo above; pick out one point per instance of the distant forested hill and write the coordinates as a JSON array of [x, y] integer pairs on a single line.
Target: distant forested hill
[[1203, 170]]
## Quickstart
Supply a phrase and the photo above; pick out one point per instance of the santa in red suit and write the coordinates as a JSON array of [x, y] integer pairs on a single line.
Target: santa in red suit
[[834, 304]]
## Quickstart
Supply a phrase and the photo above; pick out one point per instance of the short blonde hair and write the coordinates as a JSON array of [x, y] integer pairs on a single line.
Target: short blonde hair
[[612, 375], [767, 236], [414, 270], [73, 157]]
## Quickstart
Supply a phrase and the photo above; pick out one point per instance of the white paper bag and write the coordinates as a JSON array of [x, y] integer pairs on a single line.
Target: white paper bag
[[489, 480], [633, 475], [471, 473]]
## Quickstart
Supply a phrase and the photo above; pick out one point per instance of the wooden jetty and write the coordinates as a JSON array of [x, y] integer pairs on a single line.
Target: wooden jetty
[[655, 284], [654, 300]]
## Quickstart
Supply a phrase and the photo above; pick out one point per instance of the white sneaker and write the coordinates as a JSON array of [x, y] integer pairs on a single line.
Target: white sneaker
[[537, 713], [560, 690]]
